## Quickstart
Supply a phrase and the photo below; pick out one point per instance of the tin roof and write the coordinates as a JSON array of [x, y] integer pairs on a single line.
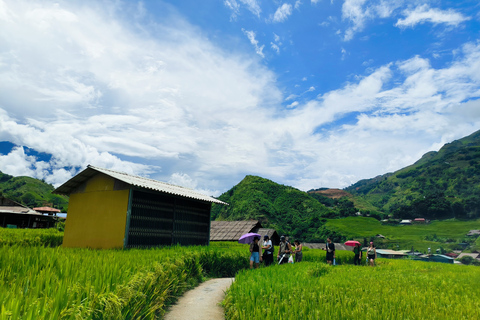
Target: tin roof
[[140, 182], [232, 230], [18, 210], [46, 209]]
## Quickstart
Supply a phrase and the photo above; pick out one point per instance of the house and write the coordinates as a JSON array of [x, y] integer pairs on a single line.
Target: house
[[473, 233], [420, 220], [15, 215], [404, 222], [473, 255], [435, 258], [232, 230], [47, 210], [380, 236], [390, 254], [111, 209]]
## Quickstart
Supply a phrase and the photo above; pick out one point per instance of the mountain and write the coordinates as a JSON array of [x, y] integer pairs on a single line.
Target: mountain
[[443, 184], [31, 192], [286, 209]]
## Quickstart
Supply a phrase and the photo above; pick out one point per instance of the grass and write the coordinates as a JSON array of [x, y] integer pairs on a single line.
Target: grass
[[406, 236], [395, 289]]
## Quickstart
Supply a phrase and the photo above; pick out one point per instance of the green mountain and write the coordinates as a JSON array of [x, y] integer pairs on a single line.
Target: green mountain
[[31, 192], [443, 184], [286, 209]]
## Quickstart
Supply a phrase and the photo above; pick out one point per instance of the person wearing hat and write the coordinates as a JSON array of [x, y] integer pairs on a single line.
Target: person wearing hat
[[284, 250], [268, 250]]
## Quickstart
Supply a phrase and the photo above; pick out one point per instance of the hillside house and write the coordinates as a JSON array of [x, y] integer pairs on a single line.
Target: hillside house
[[473, 233], [405, 222], [15, 215], [420, 220], [390, 254], [110, 209], [233, 230]]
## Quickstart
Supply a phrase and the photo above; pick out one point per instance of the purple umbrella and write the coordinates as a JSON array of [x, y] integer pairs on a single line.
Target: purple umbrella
[[248, 237]]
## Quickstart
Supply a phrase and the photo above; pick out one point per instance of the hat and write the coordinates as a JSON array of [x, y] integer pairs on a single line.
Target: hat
[[371, 242], [265, 236], [282, 238]]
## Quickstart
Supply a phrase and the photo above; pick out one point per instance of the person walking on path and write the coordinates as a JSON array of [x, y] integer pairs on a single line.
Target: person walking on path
[[357, 250], [330, 248], [255, 253], [284, 250], [268, 250], [371, 254], [298, 251]]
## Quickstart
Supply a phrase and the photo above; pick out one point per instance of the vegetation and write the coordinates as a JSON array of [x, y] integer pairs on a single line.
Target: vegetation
[[286, 209], [31, 237], [60, 283], [31, 192], [394, 289], [448, 234], [441, 185]]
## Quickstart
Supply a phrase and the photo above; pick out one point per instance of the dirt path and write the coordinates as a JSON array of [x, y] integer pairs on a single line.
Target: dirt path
[[202, 302]]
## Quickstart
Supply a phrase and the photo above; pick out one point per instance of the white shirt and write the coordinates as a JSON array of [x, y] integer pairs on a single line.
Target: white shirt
[[267, 243]]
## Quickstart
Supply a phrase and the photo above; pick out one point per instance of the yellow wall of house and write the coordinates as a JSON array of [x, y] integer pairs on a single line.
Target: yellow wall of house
[[97, 216]]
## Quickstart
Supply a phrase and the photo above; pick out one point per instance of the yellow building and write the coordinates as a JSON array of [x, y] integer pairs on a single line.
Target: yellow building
[[111, 209]]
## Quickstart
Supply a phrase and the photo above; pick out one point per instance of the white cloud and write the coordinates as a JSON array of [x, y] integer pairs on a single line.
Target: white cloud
[[251, 36], [275, 47], [282, 13], [251, 5], [424, 13], [298, 3]]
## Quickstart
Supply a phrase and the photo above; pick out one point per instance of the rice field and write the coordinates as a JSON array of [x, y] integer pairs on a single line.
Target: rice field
[[395, 289], [60, 283]]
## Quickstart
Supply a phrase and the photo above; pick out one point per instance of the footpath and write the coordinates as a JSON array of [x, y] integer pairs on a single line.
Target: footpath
[[202, 302]]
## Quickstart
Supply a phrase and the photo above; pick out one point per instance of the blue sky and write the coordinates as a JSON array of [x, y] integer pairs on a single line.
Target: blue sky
[[201, 93]]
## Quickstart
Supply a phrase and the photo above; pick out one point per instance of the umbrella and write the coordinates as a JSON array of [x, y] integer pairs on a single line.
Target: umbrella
[[248, 237], [351, 243]]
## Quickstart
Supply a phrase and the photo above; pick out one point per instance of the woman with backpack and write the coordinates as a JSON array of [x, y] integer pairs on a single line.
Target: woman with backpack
[[371, 254]]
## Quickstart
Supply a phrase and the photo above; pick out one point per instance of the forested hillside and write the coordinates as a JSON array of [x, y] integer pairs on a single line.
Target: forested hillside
[[443, 184], [31, 192], [288, 210]]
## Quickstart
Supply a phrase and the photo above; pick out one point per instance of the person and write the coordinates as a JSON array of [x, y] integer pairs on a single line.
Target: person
[[268, 250], [357, 250], [371, 254], [298, 251], [255, 253], [330, 248], [284, 250]]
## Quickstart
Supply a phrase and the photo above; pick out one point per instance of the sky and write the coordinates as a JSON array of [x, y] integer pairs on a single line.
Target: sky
[[307, 93]]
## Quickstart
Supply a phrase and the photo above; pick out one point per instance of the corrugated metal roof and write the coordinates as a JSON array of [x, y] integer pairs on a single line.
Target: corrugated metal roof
[[18, 210], [231, 230], [136, 181]]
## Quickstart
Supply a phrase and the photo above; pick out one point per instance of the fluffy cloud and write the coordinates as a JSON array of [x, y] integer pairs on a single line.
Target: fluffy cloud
[[282, 13], [251, 36], [82, 84], [424, 13]]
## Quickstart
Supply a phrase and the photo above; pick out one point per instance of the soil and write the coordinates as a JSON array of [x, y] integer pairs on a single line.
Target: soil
[[333, 193], [202, 302]]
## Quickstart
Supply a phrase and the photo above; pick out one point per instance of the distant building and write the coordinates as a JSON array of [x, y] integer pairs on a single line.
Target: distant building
[[233, 230], [15, 215], [420, 220], [111, 209], [390, 254], [406, 222], [473, 233], [435, 258]]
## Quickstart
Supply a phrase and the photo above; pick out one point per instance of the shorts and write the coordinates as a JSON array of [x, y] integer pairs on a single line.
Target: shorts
[[329, 256], [371, 257], [255, 257]]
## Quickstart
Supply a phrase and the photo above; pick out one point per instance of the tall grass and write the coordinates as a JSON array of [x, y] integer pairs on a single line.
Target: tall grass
[[31, 237], [395, 289], [61, 283]]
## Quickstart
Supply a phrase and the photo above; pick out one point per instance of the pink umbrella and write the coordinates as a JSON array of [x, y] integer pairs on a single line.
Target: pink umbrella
[[248, 237], [351, 243]]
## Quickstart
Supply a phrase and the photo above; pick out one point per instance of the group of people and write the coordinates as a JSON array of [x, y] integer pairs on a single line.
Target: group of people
[[371, 254], [285, 251]]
